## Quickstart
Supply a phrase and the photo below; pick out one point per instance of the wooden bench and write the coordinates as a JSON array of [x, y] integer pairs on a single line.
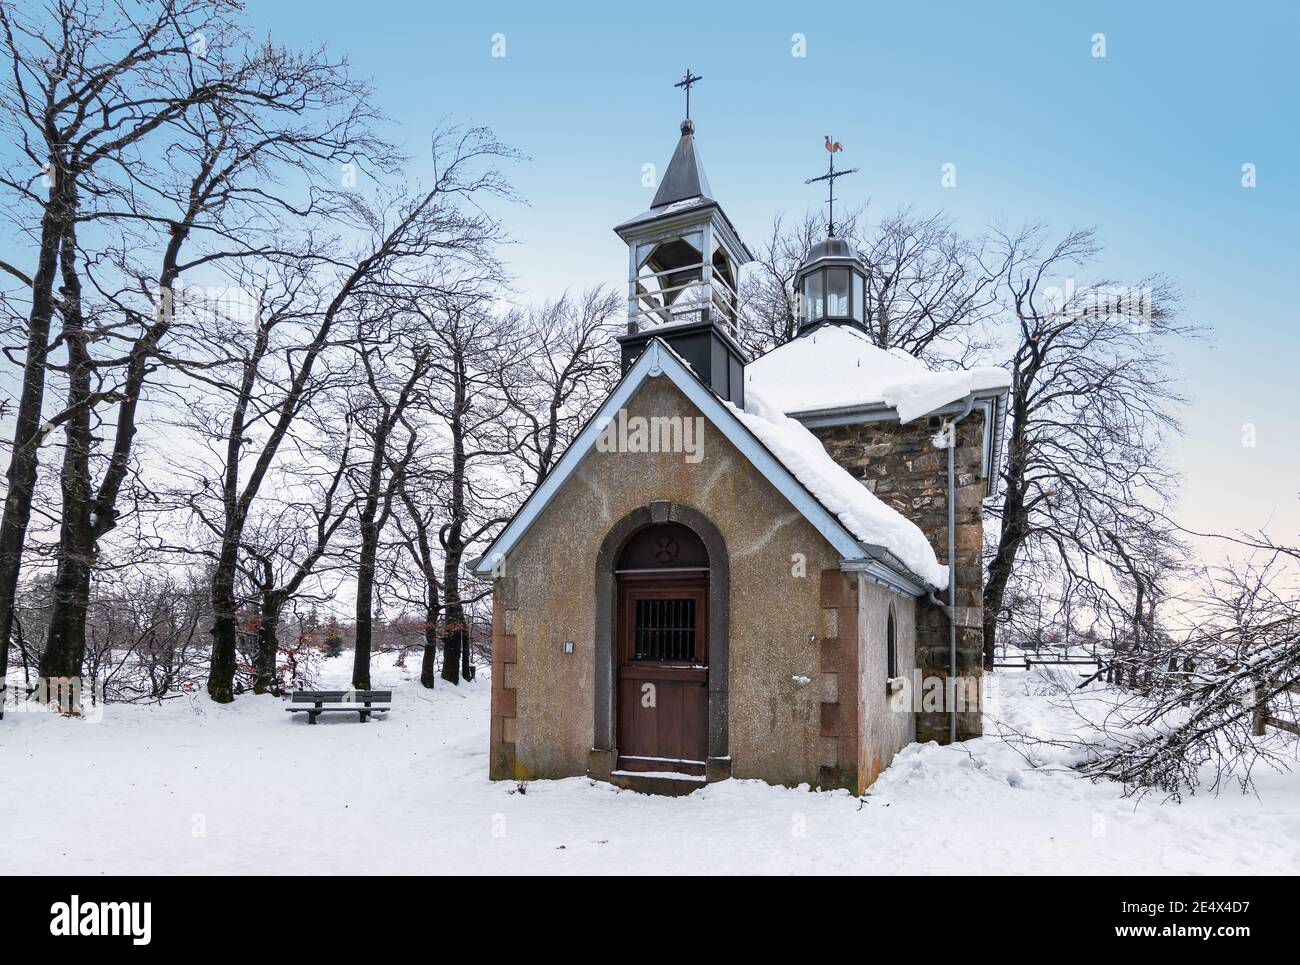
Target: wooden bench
[[348, 701]]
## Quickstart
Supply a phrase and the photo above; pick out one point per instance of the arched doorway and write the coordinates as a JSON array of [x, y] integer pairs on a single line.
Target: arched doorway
[[661, 651]]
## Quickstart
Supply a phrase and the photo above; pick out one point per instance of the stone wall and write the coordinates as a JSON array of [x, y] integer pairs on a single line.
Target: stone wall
[[901, 465]]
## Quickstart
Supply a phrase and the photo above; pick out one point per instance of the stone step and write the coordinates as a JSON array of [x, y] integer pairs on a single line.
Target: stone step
[[670, 783]]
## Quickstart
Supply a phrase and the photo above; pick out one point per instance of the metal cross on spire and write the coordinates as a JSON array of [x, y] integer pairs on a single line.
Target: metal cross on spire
[[833, 147], [687, 82]]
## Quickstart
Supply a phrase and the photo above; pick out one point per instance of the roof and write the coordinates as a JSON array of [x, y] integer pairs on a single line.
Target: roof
[[838, 367], [685, 175], [830, 248], [868, 535], [668, 210], [683, 200]]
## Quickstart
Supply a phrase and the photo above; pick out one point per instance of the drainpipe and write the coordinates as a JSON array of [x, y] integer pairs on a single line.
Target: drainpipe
[[951, 609]]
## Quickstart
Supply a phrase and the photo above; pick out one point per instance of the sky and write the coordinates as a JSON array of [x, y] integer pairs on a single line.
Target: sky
[[1147, 143]]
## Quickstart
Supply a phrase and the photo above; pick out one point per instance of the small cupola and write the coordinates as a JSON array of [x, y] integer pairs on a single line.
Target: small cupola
[[830, 284], [684, 259]]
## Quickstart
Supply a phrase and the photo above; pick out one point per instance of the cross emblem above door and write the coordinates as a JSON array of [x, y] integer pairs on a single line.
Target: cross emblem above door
[[665, 549]]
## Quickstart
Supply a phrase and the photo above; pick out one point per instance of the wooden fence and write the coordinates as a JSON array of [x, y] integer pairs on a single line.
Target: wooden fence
[[1262, 719]]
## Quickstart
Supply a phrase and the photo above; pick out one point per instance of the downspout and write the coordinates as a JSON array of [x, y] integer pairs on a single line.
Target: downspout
[[951, 609]]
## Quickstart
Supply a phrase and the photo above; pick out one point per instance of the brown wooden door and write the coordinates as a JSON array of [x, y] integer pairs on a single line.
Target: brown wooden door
[[663, 673]]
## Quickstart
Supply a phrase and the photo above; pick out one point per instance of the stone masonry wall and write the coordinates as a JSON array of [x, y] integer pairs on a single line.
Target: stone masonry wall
[[900, 464]]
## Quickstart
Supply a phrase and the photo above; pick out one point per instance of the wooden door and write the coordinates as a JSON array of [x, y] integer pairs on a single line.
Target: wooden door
[[663, 672]]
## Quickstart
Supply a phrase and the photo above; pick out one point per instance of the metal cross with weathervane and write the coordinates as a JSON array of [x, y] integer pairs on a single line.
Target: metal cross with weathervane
[[833, 147]]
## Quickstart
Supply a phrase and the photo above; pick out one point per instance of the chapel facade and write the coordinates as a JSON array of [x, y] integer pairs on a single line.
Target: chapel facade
[[741, 568]]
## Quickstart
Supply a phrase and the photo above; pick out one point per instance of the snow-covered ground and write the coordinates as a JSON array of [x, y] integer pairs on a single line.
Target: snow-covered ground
[[190, 787]]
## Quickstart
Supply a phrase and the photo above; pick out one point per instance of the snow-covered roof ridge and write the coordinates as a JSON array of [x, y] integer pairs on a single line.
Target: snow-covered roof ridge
[[860, 510], [837, 366]]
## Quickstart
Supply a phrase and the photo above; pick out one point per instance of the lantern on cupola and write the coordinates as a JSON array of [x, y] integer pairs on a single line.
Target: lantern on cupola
[[830, 284]]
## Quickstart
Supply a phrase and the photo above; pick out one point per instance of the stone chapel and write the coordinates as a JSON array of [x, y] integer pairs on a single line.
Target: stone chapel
[[745, 568]]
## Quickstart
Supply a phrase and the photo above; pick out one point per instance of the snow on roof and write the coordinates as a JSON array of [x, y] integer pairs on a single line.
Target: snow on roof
[[862, 513], [837, 366], [664, 210]]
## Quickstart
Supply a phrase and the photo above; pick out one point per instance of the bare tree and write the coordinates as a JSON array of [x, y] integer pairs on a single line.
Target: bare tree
[[227, 202], [285, 549], [407, 235], [396, 361], [419, 525], [571, 362], [145, 635], [1091, 402], [927, 291], [1212, 700], [82, 88], [476, 350], [513, 391]]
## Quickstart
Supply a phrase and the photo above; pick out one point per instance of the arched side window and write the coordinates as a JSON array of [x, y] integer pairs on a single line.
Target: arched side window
[[891, 647]]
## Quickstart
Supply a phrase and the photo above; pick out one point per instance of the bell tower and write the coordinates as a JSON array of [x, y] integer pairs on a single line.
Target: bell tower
[[684, 258]]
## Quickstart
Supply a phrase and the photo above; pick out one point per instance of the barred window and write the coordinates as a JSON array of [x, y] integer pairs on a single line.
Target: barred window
[[665, 630]]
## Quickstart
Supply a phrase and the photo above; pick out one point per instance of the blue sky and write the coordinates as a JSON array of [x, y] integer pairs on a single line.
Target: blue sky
[[1146, 144]]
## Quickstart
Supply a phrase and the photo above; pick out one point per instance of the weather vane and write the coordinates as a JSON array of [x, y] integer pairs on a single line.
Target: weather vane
[[832, 147], [687, 82]]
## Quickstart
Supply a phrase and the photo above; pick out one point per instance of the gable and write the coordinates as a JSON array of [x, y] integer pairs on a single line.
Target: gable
[[659, 361]]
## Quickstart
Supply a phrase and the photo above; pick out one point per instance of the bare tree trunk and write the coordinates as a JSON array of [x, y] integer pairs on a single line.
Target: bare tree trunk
[[365, 603], [419, 546], [466, 656], [451, 535], [65, 641], [430, 656], [1012, 535], [221, 670], [23, 460], [377, 504], [453, 626], [1139, 586], [268, 646]]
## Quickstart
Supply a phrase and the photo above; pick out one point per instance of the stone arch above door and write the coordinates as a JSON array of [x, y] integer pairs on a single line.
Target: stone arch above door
[[603, 752], [666, 546]]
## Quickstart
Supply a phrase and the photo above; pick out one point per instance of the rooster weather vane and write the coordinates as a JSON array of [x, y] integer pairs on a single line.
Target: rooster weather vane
[[833, 147]]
